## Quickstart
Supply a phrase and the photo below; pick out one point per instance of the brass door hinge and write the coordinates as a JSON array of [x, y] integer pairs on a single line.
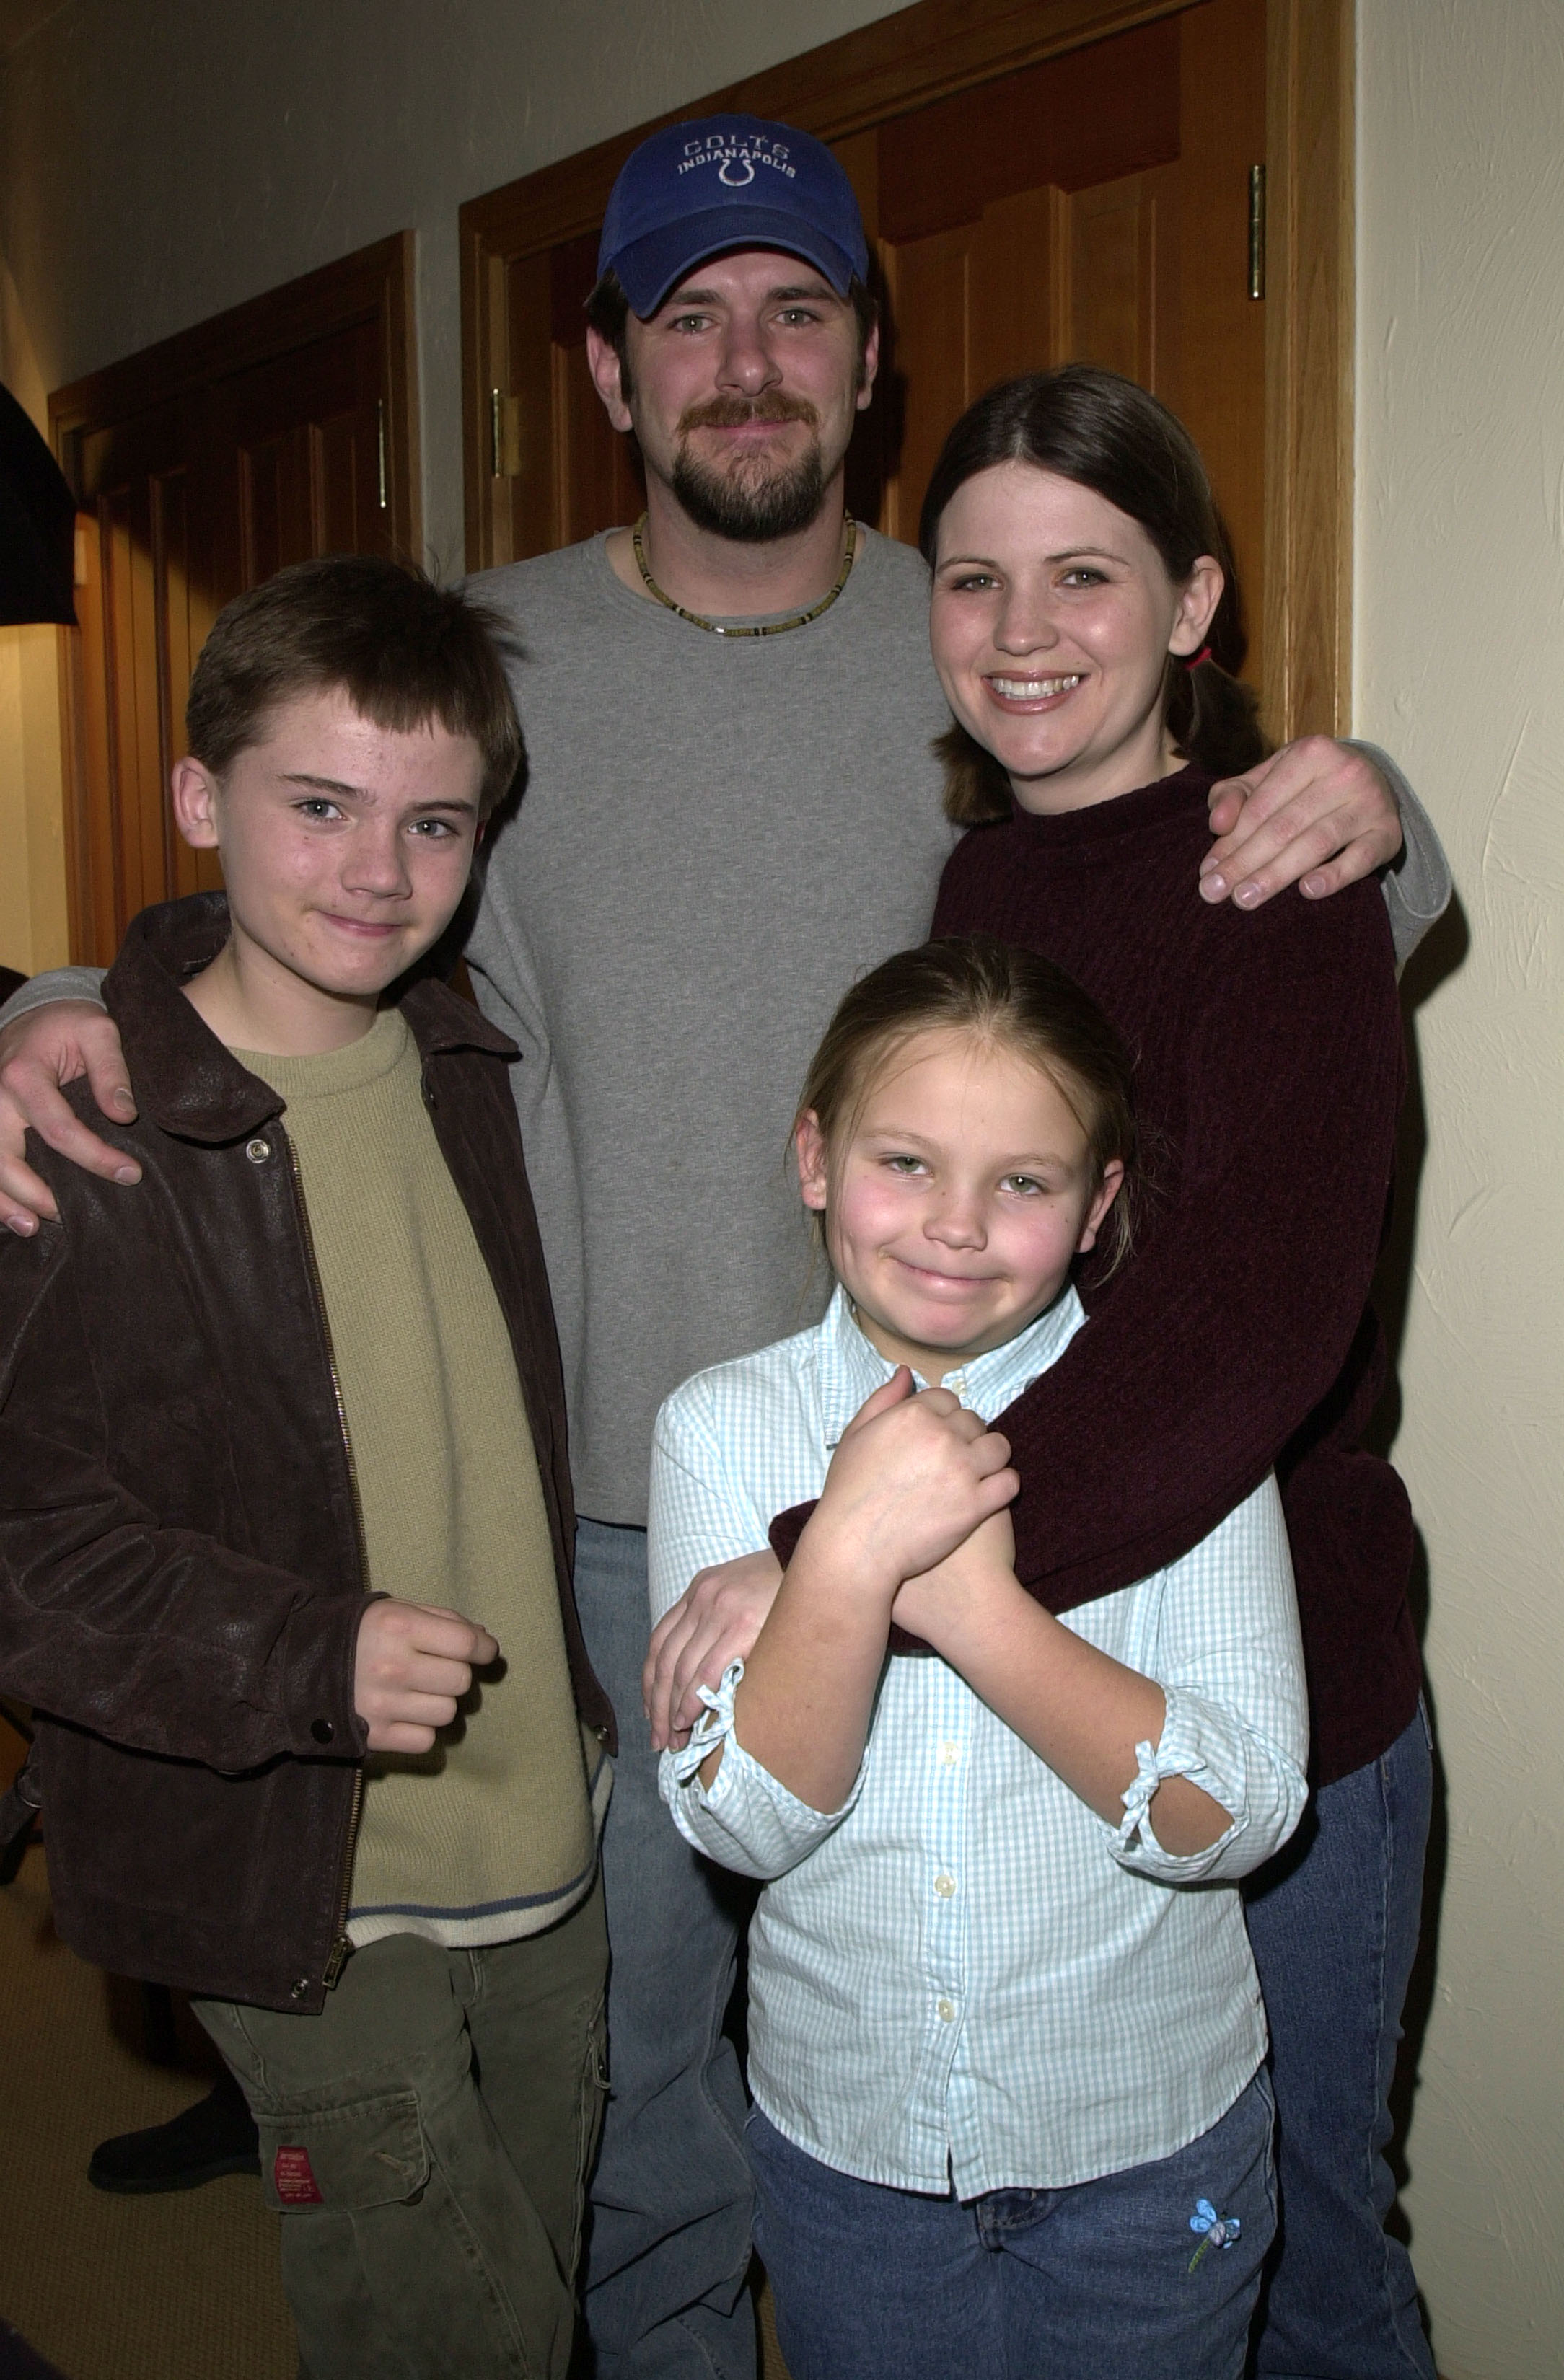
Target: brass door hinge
[[1257, 231], [505, 435]]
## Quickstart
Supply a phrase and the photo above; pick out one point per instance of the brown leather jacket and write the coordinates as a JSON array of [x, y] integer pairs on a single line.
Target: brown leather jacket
[[181, 1563]]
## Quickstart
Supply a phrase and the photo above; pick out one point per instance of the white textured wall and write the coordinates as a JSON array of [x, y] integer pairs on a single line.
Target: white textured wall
[[1461, 671]]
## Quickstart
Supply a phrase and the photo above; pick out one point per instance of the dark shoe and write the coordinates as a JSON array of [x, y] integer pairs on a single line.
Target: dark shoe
[[19, 2362], [216, 2136]]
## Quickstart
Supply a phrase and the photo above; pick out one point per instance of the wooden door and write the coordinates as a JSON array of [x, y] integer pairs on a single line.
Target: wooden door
[[143, 612], [296, 448], [283, 430], [1095, 208], [1031, 194]]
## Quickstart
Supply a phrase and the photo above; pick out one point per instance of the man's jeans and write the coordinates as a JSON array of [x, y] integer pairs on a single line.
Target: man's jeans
[[426, 2138], [668, 2248], [1108, 2280], [1333, 1923]]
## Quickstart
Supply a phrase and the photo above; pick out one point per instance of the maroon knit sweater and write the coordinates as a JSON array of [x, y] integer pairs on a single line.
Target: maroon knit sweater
[[1268, 1073]]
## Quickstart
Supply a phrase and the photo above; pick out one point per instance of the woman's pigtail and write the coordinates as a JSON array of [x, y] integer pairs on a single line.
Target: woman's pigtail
[[1214, 719], [977, 790]]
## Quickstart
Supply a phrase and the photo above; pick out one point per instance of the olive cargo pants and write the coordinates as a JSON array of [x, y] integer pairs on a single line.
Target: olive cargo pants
[[426, 2139]]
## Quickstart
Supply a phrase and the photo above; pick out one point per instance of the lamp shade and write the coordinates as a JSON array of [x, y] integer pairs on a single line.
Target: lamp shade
[[37, 525]]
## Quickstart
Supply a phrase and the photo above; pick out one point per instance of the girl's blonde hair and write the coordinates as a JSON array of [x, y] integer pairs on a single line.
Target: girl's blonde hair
[[998, 993]]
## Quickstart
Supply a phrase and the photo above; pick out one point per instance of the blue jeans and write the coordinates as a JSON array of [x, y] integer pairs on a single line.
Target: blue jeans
[[1334, 1924], [667, 2250], [1102, 2281]]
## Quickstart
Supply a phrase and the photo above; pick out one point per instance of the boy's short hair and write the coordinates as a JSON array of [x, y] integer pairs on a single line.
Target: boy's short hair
[[404, 651]]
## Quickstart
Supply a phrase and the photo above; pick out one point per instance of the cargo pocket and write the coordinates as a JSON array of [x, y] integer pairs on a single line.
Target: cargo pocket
[[369, 2153], [594, 2098]]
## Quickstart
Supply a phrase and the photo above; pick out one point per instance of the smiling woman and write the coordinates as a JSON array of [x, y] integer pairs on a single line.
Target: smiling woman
[[1052, 620], [1085, 619]]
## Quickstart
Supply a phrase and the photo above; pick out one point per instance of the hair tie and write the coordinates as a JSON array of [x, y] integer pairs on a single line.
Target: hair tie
[[1193, 660]]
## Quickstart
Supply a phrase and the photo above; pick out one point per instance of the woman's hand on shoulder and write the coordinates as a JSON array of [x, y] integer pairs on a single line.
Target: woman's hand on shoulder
[[913, 1475]]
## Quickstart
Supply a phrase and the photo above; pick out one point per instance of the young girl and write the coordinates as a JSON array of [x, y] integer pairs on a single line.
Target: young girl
[[1010, 2114]]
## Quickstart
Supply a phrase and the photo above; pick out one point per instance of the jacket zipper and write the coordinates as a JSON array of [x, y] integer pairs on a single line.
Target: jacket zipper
[[341, 1947]]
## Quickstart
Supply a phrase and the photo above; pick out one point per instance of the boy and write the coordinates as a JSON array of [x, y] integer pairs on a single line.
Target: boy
[[316, 1357]]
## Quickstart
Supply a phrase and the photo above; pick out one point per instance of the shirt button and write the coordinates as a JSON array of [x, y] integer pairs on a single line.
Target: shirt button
[[944, 1886], [949, 1753], [947, 2012], [258, 1151]]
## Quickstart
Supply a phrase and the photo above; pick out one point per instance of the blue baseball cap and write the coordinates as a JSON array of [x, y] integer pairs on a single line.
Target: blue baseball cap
[[722, 182]]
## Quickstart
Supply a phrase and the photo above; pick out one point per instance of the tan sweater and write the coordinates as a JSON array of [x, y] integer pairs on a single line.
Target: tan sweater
[[492, 1834]]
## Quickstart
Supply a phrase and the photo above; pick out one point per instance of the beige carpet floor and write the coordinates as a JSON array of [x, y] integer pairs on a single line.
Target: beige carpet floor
[[176, 2288]]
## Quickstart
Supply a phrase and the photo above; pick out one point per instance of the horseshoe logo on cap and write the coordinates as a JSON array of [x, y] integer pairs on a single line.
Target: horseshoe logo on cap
[[736, 181]]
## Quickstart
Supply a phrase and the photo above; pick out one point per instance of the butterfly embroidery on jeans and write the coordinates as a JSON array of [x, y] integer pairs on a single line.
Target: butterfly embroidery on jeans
[[1220, 2230]]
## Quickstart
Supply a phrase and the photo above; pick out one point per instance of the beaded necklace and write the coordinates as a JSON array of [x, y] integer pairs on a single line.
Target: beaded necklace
[[766, 629]]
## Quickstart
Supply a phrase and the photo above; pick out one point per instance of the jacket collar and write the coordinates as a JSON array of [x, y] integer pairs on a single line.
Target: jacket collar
[[186, 1081]]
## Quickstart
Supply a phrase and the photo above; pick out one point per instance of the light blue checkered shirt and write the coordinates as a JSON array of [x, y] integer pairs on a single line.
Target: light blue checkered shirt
[[963, 1973]]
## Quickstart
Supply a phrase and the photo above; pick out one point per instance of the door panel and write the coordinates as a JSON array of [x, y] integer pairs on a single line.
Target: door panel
[[1045, 276], [1019, 285], [142, 623], [1076, 120], [1123, 308], [928, 292], [184, 616], [293, 457], [133, 644], [571, 472], [545, 477], [281, 430]]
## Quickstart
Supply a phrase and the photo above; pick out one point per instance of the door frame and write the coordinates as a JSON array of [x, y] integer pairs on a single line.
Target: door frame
[[374, 285], [938, 47]]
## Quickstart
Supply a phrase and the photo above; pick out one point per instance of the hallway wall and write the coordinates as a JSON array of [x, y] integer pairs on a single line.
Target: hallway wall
[[1459, 670]]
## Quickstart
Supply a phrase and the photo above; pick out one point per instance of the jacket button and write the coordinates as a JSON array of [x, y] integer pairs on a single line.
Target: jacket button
[[322, 1729], [299, 1988], [258, 1151], [601, 1733]]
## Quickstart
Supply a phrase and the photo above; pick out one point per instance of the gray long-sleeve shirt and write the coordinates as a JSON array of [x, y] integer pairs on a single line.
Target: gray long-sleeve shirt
[[718, 835]]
